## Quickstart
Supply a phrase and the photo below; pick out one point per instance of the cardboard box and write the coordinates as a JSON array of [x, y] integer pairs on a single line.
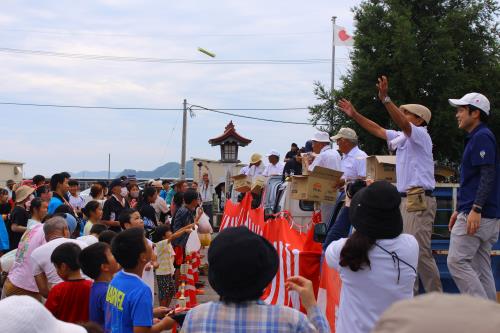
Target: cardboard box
[[319, 185], [258, 184], [381, 167], [242, 183]]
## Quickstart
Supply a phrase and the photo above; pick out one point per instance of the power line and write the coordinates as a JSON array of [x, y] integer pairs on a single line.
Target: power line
[[173, 60], [198, 107], [256, 118]]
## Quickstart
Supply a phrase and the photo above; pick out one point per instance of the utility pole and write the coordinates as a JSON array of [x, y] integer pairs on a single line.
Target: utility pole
[[183, 153], [332, 86], [109, 166]]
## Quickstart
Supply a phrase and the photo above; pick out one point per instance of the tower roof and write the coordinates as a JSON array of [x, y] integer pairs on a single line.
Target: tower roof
[[230, 135]]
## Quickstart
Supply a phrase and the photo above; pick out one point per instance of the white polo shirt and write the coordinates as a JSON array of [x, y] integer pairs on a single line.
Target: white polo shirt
[[354, 164], [327, 158], [414, 160], [274, 169]]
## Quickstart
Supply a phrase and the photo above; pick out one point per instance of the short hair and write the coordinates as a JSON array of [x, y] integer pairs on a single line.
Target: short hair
[[57, 179], [165, 181], [73, 182], [178, 199], [127, 247], [64, 209], [194, 182], [354, 142], [98, 229], [190, 196], [66, 174], [35, 204], [125, 216], [38, 178], [3, 191], [53, 225], [160, 232], [295, 145], [107, 236], [92, 257], [95, 190], [90, 207], [67, 253], [483, 117]]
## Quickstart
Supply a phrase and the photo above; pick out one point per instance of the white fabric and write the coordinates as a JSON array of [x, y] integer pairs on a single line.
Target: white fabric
[[148, 277], [253, 171], [274, 169], [76, 202], [354, 164], [40, 258], [327, 158], [414, 160], [206, 192], [20, 314], [367, 293], [88, 239]]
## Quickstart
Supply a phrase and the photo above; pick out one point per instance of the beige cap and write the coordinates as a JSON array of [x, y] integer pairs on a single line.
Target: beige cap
[[23, 192], [156, 183], [437, 313], [419, 110], [346, 133], [255, 158]]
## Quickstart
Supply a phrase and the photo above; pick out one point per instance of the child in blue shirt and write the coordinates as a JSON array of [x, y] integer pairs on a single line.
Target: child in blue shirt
[[99, 264], [129, 299]]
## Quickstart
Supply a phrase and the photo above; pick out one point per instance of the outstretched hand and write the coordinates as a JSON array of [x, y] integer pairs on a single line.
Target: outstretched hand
[[304, 288], [383, 87], [346, 107]]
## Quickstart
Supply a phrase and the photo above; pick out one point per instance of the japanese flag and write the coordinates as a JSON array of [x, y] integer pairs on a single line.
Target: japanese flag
[[341, 37]]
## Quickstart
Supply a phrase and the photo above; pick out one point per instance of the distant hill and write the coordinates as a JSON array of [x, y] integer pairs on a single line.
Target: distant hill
[[168, 170]]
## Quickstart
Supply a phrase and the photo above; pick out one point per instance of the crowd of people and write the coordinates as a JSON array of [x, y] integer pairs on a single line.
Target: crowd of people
[[95, 260]]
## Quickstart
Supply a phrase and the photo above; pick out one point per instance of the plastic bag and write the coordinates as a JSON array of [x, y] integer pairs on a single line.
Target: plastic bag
[[204, 226], [193, 243]]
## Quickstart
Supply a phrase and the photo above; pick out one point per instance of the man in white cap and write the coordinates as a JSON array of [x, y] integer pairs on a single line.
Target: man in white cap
[[353, 161], [414, 173], [255, 168], [275, 167], [475, 223], [327, 158]]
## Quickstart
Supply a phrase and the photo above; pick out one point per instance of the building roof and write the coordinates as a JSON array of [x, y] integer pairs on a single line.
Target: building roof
[[11, 162], [230, 135]]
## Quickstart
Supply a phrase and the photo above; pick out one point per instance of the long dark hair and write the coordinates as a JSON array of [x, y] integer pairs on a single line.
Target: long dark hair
[[144, 196], [355, 251]]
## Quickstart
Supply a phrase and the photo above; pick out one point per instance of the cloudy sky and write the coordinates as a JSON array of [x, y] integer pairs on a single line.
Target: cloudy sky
[[54, 139]]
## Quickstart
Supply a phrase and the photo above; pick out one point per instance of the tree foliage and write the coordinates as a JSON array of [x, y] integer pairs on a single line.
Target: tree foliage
[[431, 50]]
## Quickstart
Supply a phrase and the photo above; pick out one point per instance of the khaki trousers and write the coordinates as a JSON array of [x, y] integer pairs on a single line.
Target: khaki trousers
[[419, 224]]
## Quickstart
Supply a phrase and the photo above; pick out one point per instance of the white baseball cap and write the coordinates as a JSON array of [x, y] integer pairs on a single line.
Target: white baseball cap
[[273, 152], [475, 99], [321, 137], [25, 314]]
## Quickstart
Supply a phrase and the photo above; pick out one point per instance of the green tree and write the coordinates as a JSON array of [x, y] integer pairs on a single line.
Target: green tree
[[431, 50]]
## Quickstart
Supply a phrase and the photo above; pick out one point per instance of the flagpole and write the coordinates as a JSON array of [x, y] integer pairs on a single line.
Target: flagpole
[[332, 86]]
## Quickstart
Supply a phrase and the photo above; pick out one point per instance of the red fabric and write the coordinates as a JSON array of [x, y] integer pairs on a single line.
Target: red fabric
[[298, 254], [238, 214], [329, 293], [179, 255], [69, 301]]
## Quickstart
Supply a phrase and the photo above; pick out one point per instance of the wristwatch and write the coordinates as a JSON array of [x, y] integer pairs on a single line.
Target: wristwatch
[[477, 209], [386, 100]]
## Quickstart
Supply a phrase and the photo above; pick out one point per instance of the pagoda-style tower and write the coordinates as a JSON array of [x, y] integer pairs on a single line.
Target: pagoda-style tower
[[229, 142]]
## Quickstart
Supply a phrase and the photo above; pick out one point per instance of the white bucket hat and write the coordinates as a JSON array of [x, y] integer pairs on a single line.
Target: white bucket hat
[[25, 314], [273, 152]]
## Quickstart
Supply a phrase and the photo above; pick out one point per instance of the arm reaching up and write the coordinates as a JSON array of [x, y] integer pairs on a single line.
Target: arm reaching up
[[397, 116], [372, 127]]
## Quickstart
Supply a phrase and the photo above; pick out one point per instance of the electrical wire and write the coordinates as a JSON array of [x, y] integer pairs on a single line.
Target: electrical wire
[[196, 107], [173, 60]]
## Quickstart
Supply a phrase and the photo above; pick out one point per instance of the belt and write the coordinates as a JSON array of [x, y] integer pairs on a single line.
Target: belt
[[427, 193]]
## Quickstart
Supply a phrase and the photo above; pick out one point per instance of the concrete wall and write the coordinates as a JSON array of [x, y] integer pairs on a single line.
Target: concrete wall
[[217, 169], [7, 171]]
